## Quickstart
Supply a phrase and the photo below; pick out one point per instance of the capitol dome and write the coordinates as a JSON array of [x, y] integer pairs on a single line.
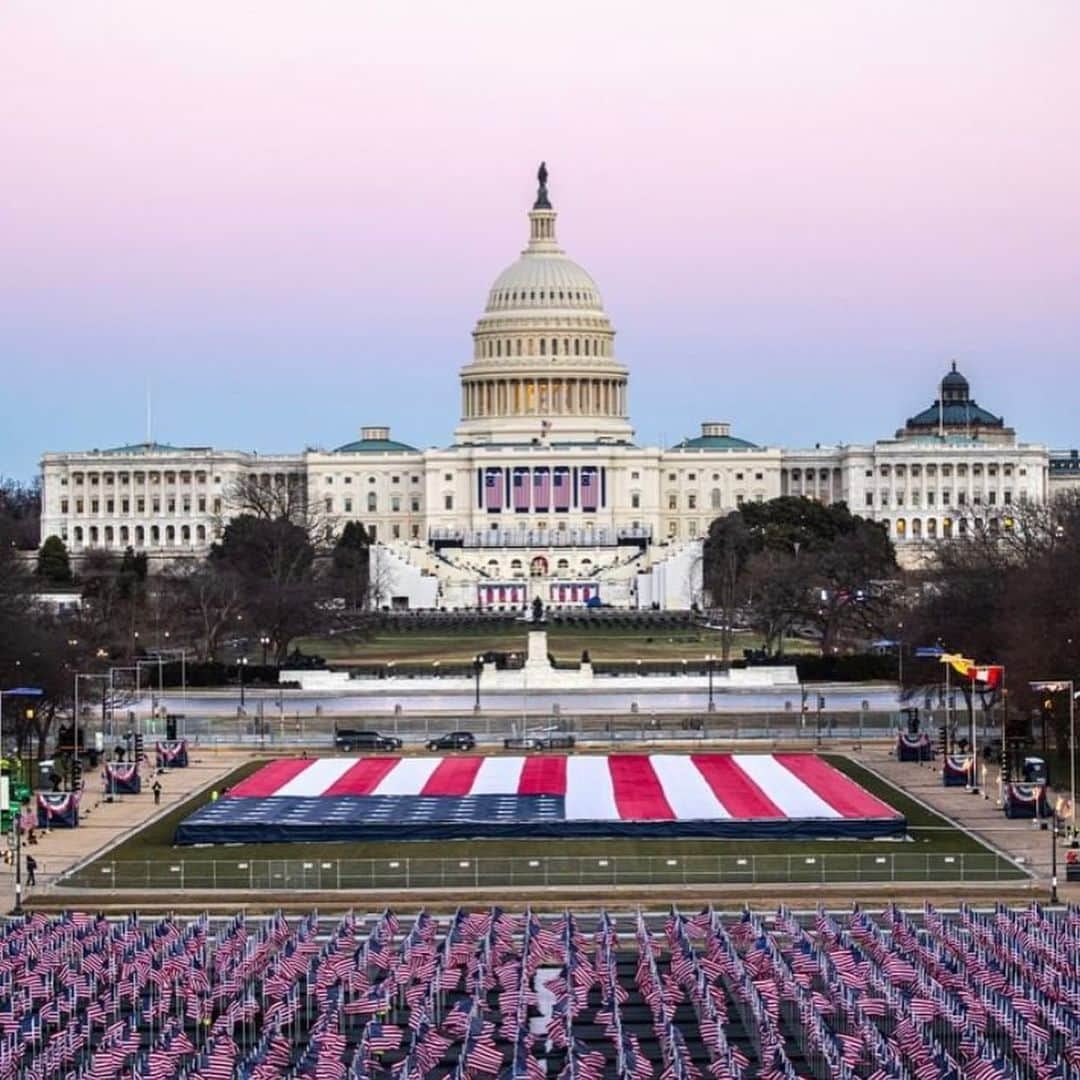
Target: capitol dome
[[543, 363]]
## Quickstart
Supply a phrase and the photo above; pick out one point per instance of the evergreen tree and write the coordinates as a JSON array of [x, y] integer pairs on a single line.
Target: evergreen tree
[[53, 563], [351, 563]]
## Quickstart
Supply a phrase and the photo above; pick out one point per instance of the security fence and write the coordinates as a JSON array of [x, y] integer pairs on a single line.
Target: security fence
[[271, 729], [405, 872]]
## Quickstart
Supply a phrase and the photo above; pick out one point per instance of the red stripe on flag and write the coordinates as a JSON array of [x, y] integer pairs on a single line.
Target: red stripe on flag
[[543, 776], [733, 789], [839, 791], [453, 776], [363, 778], [639, 795], [269, 778]]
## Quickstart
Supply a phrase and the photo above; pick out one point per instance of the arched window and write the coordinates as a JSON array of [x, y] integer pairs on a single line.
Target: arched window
[[78, 534], [372, 502], [931, 528], [140, 536], [577, 346], [200, 533], [185, 533], [155, 535], [946, 528], [916, 528], [901, 529], [93, 535], [714, 499], [563, 565], [543, 346], [108, 535], [170, 534], [124, 534], [554, 346]]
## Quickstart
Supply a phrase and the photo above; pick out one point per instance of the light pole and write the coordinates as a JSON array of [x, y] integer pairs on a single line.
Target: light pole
[[240, 667], [478, 667], [900, 654], [1056, 686], [710, 661], [264, 641]]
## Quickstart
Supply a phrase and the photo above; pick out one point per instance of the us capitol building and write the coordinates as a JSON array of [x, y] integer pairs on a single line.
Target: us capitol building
[[544, 492]]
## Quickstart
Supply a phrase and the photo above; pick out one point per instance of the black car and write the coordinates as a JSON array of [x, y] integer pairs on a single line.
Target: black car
[[348, 739], [453, 740]]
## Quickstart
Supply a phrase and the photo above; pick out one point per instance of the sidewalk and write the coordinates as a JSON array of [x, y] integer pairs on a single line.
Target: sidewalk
[[102, 824], [980, 814]]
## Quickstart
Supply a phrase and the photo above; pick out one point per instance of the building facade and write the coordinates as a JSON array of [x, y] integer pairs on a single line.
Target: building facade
[[544, 492]]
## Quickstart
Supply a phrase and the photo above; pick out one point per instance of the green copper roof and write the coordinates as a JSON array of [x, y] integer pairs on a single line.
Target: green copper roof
[[715, 442], [145, 448], [955, 414], [376, 446]]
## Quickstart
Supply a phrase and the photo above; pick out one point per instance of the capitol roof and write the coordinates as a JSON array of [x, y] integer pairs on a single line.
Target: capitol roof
[[715, 435], [376, 440]]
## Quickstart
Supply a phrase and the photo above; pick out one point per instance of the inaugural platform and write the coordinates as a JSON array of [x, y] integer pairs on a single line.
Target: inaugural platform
[[730, 796]]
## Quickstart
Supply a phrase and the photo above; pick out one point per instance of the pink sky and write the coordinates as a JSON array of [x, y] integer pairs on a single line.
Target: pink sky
[[797, 212]]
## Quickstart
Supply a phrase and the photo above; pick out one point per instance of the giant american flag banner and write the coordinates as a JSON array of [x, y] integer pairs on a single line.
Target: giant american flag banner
[[507, 795]]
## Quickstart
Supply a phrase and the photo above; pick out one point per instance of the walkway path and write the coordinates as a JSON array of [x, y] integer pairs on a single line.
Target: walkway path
[[102, 824], [981, 814]]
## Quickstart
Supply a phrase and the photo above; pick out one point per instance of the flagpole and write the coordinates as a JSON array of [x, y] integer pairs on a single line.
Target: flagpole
[[1072, 761]]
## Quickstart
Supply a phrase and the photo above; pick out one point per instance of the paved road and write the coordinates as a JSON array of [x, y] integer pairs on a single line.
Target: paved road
[[380, 700]]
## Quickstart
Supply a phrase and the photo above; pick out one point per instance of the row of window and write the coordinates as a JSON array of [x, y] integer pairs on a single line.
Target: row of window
[[489, 348], [123, 536], [916, 529], [977, 469], [506, 296], [185, 504], [109, 479], [899, 498], [394, 479], [373, 504]]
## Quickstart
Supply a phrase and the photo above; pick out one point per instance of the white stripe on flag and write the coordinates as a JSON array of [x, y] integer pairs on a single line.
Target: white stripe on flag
[[590, 794], [783, 787], [408, 777], [686, 790], [317, 777], [498, 776]]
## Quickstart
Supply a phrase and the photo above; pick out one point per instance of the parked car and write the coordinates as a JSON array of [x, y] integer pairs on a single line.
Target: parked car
[[453, 740], [542, 742], [349, 739]]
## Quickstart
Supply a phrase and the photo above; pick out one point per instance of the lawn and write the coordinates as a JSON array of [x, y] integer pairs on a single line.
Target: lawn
[[935, 850], [564, 642]]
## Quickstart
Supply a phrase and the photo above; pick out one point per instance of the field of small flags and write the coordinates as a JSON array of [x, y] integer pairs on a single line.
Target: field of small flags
[[968, 995]]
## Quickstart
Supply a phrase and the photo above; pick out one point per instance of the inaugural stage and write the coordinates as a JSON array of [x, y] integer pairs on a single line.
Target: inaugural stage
[[733, 796]]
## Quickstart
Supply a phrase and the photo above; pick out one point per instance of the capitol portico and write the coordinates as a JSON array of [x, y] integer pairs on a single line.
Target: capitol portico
[[543, 492]]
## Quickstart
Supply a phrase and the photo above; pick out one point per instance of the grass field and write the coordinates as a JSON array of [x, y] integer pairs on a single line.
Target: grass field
[[565, 643], [935, 850]]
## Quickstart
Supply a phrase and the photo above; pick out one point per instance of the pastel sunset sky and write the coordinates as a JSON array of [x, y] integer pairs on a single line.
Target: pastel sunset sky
[[285, 216]]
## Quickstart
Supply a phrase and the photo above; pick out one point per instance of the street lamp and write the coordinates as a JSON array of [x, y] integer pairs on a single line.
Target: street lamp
[[240, 667], [710, 661], [264, 641], [1056, 687], [478, 667]]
